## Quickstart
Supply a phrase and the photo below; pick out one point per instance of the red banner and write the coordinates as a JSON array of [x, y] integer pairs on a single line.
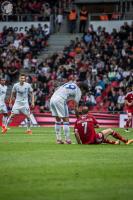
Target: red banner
[[45, 119]]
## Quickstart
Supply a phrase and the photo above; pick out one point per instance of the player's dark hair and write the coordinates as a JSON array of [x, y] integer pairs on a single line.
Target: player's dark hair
[[83, 86], [22, 74], [85, 110]]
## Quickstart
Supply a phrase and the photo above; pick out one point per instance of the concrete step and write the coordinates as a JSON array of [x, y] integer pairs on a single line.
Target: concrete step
[[57, 42], [63, 39]]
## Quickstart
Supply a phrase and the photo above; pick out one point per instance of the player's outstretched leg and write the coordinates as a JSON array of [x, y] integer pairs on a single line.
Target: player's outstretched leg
[[118, 136], [28, 131], [108, 141], [129, 141]]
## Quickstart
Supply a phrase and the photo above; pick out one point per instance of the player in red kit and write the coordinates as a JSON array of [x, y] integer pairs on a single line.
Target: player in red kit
[[129, 108], [85, 131]]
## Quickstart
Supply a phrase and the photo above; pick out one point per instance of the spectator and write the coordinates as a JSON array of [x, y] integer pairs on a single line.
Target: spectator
[[83, 19], [87, 38], [112, 108], [59, 20], [121, 98], [113, 96], [90, 100], [72, 17]]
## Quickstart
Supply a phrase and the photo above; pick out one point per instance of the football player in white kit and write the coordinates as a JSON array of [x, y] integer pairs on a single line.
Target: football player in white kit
[[3, 108], [21, 92], [59, 108]]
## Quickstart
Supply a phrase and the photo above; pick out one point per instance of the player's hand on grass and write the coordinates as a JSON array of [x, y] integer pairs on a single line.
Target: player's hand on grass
[[117, 142]]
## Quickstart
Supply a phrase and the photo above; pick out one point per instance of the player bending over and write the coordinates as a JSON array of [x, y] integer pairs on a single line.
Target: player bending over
[[3, 108], [20, 92], [85, 133], [59, 108]]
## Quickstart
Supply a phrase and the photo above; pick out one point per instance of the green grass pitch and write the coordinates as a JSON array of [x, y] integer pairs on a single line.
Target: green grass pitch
[[34, 167]]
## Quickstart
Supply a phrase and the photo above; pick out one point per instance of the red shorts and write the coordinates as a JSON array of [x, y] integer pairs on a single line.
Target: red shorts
[[99, 138]]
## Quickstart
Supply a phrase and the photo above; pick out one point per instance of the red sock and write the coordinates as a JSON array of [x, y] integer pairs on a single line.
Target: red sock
[[109, 141], [118, 136]]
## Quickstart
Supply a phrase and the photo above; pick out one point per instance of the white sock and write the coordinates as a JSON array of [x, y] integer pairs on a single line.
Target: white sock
[[66, 130], [58, 130], [9, 120], [4, 119], [28, 124]]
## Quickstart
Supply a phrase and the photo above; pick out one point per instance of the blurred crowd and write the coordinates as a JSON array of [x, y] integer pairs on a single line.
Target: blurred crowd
[[18, 50], [33, 10], [104, 61]]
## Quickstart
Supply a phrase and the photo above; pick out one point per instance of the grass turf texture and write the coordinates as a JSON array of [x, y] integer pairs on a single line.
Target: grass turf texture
[[34, 167]]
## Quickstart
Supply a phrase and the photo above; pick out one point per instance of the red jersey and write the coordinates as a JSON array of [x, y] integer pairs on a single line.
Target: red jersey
[[85, 127], [129, 98]]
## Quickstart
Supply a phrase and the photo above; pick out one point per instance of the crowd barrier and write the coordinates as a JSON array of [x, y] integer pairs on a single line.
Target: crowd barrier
[[46, 120]]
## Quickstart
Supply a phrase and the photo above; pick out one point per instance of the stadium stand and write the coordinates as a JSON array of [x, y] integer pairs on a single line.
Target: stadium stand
[[18, 49], [104, 62], [29, 11], [101, 59]]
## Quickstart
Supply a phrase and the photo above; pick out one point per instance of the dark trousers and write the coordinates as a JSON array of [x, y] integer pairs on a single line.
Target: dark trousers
[[82, 26], [72, 26]]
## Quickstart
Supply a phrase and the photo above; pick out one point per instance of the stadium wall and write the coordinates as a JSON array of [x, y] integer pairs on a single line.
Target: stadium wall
[[22, 27], [109, 25], [46, 120]]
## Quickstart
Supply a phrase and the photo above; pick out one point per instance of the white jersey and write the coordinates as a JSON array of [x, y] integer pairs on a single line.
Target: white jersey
[[22, 92], [3, 90], [68, 91]]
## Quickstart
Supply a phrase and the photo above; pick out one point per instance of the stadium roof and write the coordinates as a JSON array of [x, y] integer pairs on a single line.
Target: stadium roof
[[96, 1]]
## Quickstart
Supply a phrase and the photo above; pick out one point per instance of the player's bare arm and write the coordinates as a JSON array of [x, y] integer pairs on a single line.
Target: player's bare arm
[[128, 104], [97, 126], [76, 110], [77, 136], [12, 97]]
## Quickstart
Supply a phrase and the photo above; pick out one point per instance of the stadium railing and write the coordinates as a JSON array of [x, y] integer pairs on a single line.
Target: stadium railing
[[23, 17], [111, 16]]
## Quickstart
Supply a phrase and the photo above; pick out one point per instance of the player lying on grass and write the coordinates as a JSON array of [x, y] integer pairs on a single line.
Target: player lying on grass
[[85, 133]]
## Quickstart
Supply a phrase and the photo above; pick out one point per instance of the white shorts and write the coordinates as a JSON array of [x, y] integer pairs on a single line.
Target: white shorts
[[58, 107], [3, 108], [20, 108]]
